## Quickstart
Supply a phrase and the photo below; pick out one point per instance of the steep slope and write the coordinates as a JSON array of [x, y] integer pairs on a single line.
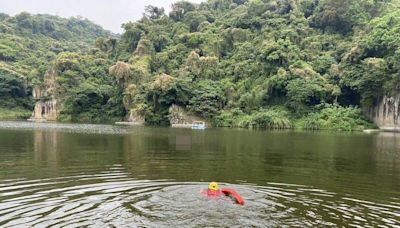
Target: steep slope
[[310, 64], [28, 45], [261, 63]]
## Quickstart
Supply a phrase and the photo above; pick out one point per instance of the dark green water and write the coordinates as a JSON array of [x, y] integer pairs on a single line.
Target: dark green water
[[105, 176]]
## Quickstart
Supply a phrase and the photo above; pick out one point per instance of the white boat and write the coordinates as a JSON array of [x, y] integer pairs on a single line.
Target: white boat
[[199, 125]]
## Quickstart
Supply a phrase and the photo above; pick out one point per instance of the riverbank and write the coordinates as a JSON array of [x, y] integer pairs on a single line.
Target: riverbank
[[327, 117], [14, 114]]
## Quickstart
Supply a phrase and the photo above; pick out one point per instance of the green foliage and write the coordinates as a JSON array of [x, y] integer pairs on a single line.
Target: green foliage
[[333, 117], [84, 87], [273, 118], [29, 47], [14, 113], [269, 119], [372, 68], [73, 29], [155, 98], [90, 102], [13, 92], [228, 61], [153, 12], [324, 117], [8, 50], [303, 93], [179, 10], [343, 15], [207, 99]]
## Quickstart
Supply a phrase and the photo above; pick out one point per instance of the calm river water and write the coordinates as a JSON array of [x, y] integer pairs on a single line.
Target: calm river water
[[64, 175]]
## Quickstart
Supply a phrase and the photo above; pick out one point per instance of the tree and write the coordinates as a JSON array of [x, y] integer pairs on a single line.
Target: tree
[[122, 72], [179, 10], [343, 15], [131, 36], [153, 12], [208, 98]]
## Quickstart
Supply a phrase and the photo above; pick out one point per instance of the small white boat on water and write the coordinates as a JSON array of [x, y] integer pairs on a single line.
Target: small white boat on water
[[199, 125]]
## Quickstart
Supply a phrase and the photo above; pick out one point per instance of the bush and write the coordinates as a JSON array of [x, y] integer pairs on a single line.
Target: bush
[[14, 113], [274, 118], [228, 118], [208, 98], [334, 117]]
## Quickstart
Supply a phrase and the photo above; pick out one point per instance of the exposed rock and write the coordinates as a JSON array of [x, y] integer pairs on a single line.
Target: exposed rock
[[45, 111], [37, 92], [129, 94], [135, 117], [50, 81], [178, 117], [386, 113]]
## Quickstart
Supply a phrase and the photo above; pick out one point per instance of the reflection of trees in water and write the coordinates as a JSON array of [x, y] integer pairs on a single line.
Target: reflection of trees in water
[[15, 152], [154, 153], [46, 148], [388, 142], [182, 154], [164, 153], [55, 150], [387, 145], [387, 159]]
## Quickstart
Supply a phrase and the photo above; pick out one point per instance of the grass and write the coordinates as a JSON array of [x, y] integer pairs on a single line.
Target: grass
[[275, 118], [325, 117], [14, 113]]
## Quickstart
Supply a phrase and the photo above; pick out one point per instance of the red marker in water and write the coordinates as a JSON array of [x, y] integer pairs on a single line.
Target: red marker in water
[[213, 191]]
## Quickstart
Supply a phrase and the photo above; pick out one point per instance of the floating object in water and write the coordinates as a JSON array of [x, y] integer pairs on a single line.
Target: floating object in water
[[213, 192], [199, 125], [369, 131], [232, 193], [213, 186]]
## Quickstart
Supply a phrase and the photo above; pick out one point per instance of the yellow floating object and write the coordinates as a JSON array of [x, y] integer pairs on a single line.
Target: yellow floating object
[[213, 186]]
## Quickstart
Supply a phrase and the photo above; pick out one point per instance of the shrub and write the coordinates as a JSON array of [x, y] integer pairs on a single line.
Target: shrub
[[274, 118], [335, 117]]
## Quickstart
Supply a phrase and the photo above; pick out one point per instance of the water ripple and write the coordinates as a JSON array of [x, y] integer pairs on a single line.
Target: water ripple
[[111, 198]]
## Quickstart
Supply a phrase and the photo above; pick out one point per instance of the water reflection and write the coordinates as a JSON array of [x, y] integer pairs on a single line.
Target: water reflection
[[112, 198], [46, 148], [151, 177], [387, 157], [388, 142], [181, 142]]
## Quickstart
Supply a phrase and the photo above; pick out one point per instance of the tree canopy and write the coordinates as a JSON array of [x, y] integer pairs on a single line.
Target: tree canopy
[[229, 61]]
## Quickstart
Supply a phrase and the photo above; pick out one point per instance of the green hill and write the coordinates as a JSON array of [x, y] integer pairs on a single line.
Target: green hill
[[28, 46], [309, 64]]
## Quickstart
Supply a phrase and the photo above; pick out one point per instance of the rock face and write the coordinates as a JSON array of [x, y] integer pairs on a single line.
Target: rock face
[[386, 113], [36, 92], [136, 118], [178, 117], [45, 110]]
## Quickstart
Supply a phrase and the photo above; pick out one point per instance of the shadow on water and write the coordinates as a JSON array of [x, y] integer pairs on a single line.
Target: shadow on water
[[66, 176]]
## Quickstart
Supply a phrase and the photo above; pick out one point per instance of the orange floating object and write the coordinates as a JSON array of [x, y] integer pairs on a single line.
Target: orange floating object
[[214, 192], [234, 194]]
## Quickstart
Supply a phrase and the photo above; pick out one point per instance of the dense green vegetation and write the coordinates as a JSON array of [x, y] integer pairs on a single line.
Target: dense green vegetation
[[32, 44], [278, 64]]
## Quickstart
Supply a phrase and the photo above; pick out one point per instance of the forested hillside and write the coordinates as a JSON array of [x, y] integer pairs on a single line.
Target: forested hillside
[[310, 64], [29, 45]]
